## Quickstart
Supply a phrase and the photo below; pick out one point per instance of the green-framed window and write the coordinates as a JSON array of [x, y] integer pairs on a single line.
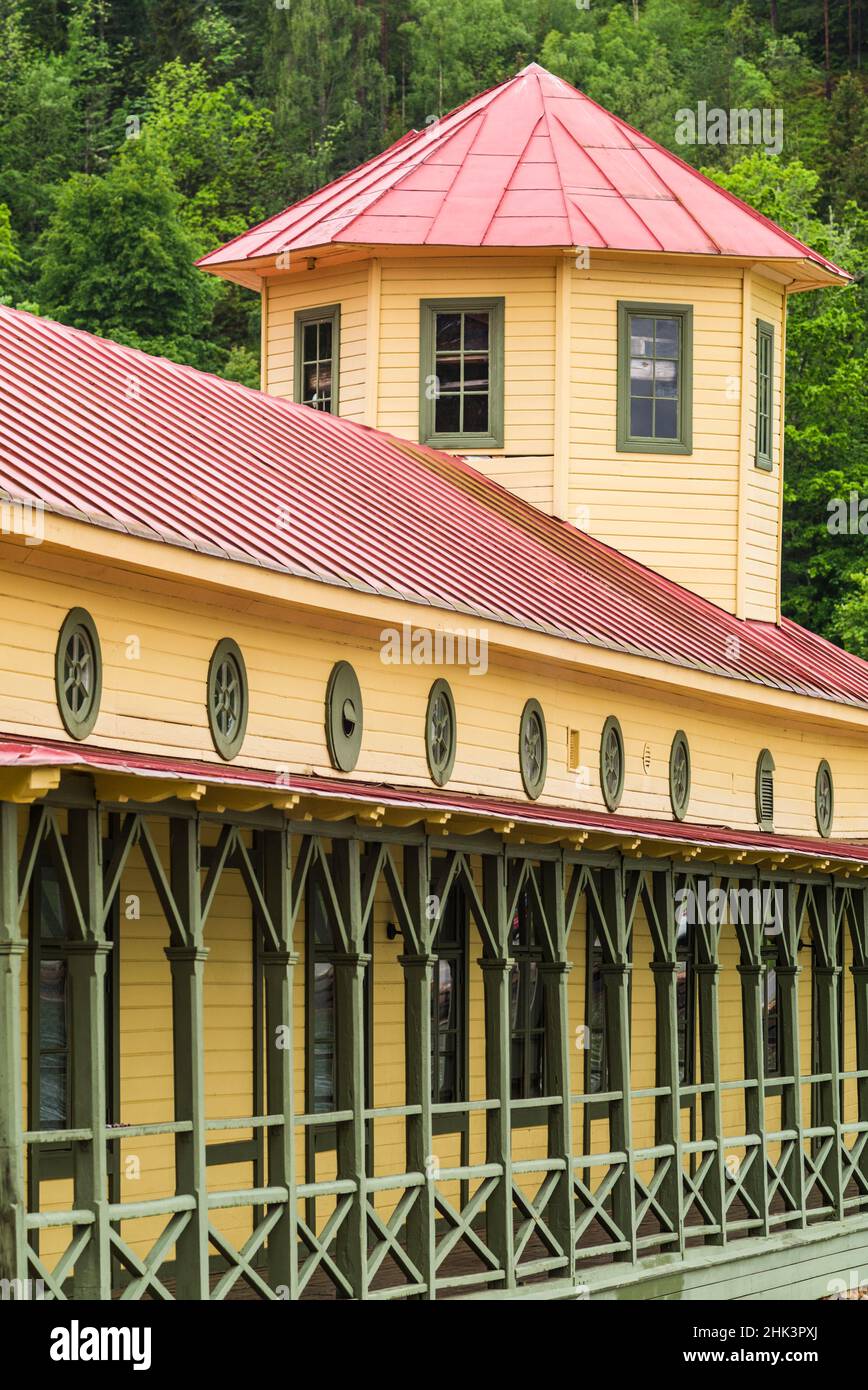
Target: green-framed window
[[596, 1061], [527, 1006], [765, 356], [50, 1044], [449, 1005], [685, 986], [323, 949], [771, 1012], [655, 378], [765, 790], [461, 373], [817, 961], [317, 357]]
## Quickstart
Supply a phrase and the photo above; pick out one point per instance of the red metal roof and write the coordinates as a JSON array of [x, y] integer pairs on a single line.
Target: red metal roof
[[532, 162], [17, 752], [139, 444]]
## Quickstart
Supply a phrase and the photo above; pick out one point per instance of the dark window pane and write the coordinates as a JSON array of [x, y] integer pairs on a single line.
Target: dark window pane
[[476, 331], [666, 420], [446, 993], [641, 334], [681, 985], [325, 339], [476, 373], [667, 337], [535, 1078], [641, 376], [449, 373], [310, 342], [517, 1067], [447, 414], [51, 923], [324, 1036], [771, 1021], [475, 414], [515, 994], [53, 1112], [52, 1005], [448, 331], [640, 417], [666, 379]]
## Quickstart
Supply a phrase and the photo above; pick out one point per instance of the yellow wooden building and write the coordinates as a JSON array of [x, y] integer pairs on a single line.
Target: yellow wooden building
[[429, 864]]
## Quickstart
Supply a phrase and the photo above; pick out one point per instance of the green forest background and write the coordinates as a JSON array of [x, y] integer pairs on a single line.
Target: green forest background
[[136, 136]]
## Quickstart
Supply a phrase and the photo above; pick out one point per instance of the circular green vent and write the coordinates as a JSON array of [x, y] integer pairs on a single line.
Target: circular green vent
[[612, 763], [679, 775], [533, 748], [440, 732], [227, 698], [344, 717], [78, 673], [824, 798]]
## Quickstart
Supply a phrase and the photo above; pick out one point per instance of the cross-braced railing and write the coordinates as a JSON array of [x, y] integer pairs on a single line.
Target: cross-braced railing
[[507, 1213]]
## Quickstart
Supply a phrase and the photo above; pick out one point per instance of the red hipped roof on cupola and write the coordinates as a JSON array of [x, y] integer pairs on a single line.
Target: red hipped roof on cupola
[[530, 163]]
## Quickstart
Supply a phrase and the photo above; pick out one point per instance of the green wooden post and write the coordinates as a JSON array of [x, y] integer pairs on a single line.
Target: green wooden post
[[667, 1125], [278, 965], [615, 970], [187, 961], [13, 1255], [419, 971], [858, 918], [561, 1217], [496, 978], [87, 969], [707, 967], [752, 969], [827, 976], [350, 968], [788, 973]]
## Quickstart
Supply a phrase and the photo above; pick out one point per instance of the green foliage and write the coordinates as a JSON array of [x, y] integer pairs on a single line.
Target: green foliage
[[116, 256], [827, 401], [133, 137]]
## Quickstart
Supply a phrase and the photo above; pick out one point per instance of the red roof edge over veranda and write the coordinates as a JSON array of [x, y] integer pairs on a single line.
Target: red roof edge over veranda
[[26, 754]]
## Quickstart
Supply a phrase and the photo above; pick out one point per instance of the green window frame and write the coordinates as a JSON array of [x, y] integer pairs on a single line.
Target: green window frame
[[316, 357], [78, 673], [679, 775], [596, 1059], [685, 985], [765, 357], [655, 378], [533, 749], [322, 951], [449, 1013], [228, 698], [824, 799], [344, 717], [613, 759], [772, 1021], [441, 732], [765, 790], [816, 961], [50, 1037], [527, 1061], [458, 409]]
